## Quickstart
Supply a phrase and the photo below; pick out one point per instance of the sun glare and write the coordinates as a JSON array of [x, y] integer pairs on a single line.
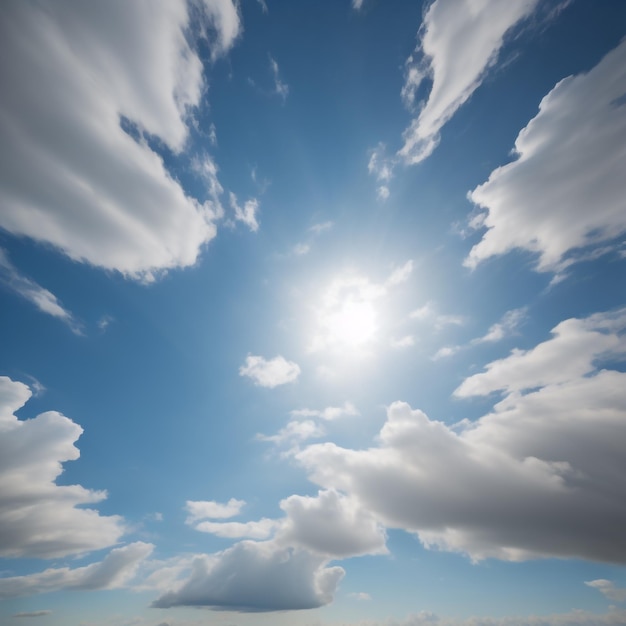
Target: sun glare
[[354, 324]]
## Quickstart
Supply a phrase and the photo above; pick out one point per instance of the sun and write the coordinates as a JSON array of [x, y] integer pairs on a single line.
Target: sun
[[353, 324]]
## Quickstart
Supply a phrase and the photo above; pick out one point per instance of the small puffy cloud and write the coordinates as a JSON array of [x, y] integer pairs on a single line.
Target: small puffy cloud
[[608, 589], [264, 373], [380, 165], [115, 571], [246, 214], [360, 595], [538, 476], [294, 433], [331, 524], [43, 299], [280, 88], [39, 518], [321, 227], [459, 41], [565, 190], [77, 104], [329, 413], [445, 352], [256, 577], [403, 342], [209, 509], [382, 192]]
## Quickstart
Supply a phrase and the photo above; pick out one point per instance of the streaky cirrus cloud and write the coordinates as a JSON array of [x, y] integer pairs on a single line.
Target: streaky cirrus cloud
[[33, 613], [116, 570], [39, 518], [564, 192], [41, 297], [269, 373], [104, 79], [539, 476], [459, 42]]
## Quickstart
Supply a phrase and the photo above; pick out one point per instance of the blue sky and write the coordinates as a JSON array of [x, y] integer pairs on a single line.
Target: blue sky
[[313, 313]]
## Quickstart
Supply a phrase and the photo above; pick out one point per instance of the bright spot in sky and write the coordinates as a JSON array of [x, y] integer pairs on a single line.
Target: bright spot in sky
[[347, 319], [354, 324]]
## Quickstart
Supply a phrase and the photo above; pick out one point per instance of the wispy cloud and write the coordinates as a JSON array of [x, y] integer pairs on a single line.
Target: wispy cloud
[[246, 214], [459, 41], [280, 88], [44, 300]]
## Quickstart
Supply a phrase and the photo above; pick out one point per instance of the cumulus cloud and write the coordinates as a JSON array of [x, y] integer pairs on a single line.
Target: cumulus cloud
[[209, 509], [608, 589], [246, 214], [329, 413], [115, 571], [564, 191], [264, 373], [39, 518], [255, 577], [85, 88], [331, 524], [43, 299], [539, 476], [459, 42]]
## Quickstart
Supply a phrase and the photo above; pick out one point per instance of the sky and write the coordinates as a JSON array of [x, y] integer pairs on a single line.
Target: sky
[[313, 313]]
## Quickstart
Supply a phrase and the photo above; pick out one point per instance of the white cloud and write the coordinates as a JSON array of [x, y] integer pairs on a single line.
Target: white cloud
[[263, 5], [43, 299], [539, 476], [403, 342], [400, 274], [380, 165], [39, 518], [261, 529], [382, 192], [571, 353], [294, 433], [577, 617], [116, 570], [246, 214], [329, 413], [459, 41], [360, 595], [331, 524], [504, 328], [608, 589], [357, 4], [300, 249], [565, 189], [264, 373], [209, 509], [280, 88], [445, 352], [428, 313], [75, 79], [321, 227], [255, 577]]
